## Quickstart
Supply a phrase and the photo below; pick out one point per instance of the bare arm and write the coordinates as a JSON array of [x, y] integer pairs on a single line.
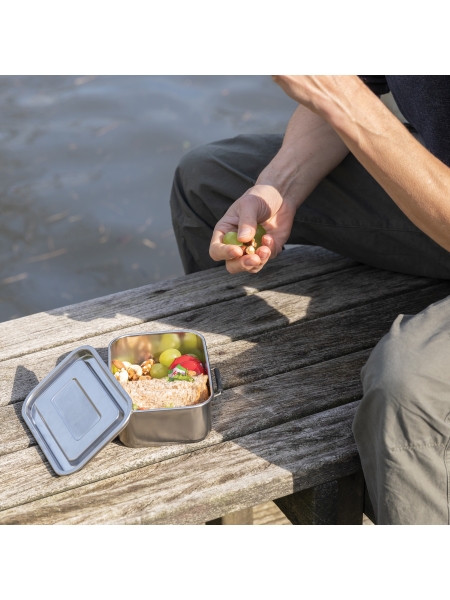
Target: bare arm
[[310, 150], [417, 181]]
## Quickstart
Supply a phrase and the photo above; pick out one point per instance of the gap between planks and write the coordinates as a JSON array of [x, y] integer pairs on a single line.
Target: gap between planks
[[210, 482], [134, 307], [311, 342], [291, 306]]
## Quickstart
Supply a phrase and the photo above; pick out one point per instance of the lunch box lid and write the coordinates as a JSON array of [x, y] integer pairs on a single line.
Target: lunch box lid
[[76, 410]]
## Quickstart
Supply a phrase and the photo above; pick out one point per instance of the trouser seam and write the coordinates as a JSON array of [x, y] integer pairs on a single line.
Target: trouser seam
[[415, 447]]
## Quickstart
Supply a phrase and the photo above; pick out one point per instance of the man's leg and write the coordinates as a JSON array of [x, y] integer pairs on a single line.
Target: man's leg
[[348, 212], [402, 425]]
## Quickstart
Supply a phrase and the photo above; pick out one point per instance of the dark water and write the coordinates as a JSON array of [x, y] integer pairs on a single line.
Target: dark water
[[86, 166]]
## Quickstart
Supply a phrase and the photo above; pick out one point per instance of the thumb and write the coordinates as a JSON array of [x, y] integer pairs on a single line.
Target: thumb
[[248, 219]]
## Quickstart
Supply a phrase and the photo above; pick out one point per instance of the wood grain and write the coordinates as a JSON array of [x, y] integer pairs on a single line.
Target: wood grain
[[290, 343], [133, 307], [264, 356], [25, 474], [336, 502], [207, 483], [227, 322]]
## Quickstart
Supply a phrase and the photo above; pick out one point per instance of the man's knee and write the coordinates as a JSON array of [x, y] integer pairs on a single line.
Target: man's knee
[[402, 391], [389, 384], [191, 170]]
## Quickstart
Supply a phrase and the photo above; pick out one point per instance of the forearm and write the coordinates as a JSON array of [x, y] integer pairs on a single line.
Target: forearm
[[416, 180], [310, 150]]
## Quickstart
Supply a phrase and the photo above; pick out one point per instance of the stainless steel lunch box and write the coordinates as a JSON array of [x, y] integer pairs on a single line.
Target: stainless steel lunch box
[[79, 406], [164, 426]]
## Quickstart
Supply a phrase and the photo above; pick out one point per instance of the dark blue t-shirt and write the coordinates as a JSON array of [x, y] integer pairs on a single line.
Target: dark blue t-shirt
[[424, 101]]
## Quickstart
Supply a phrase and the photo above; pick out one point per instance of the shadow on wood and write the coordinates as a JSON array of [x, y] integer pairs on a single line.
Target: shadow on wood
[[240, 517], [338, 502]]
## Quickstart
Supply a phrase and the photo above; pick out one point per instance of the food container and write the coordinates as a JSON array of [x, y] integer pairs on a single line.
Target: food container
[[79, 407], [164, 426]]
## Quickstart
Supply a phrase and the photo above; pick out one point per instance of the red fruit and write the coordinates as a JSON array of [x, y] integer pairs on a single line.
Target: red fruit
[[188, 362]]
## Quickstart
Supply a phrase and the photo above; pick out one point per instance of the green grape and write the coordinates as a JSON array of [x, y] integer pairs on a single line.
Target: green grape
[[169, 340], [195, 352], [168, 356], [260, 231], [231, 238], [186, 350], [158, 371], [189, 341]]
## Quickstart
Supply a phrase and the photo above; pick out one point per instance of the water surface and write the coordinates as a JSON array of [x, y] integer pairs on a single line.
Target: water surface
[[86, 165]]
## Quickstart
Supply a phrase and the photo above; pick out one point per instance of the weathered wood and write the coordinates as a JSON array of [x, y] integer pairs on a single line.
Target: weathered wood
[[318, 340], [258, 313], [133, 307], [25, 474], [268, 513], [338, 502], [283, 424], [240, 517], [205, 484]]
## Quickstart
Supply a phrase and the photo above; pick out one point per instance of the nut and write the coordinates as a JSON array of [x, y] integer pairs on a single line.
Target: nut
[[250, 250], [144, 377], [192, 373], [137, 369], [118, 364], [148, 363], [132, 375], [123, 376], [126, 364]]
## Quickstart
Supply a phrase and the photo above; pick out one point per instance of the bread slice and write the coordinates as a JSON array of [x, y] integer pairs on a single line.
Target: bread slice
[[160, 393]]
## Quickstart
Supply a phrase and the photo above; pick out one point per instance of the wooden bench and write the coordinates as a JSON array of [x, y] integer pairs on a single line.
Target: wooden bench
[[290, 343]]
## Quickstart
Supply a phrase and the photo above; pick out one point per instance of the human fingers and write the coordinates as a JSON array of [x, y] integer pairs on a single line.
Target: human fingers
[[246, 263], [251, 263], [220, 251], [248, 219], [269, 242]]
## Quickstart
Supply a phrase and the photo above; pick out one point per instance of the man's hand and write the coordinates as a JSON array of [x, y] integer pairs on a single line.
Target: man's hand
[[310, 150], [261, 204], [316, 92]]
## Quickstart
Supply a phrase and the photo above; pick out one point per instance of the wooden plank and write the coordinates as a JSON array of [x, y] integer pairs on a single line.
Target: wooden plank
[[268, 513], [318, 340], [133, 307], [25, 474], [205, 484], [261, 312], [267, 355], [240, 517], [336, 502]]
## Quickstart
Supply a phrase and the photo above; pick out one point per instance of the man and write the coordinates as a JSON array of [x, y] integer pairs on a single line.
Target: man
[[349, 176]]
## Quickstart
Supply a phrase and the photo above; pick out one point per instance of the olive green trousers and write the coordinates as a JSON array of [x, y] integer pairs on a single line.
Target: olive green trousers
[[402, 425]]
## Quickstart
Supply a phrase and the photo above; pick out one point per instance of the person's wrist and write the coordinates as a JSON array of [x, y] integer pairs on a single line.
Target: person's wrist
[[280, 175]]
